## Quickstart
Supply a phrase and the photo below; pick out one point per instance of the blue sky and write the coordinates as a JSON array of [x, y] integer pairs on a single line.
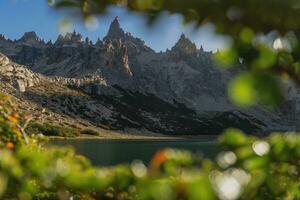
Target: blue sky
[[19, 16]]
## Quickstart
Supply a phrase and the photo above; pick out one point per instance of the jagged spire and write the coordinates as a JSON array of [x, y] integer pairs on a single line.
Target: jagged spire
[[115, 30], [99, 43], [201, 48], [184, 44], [49, 42], [2, 37], [69, 38], [182, 36], [88, 42], [29, 36]]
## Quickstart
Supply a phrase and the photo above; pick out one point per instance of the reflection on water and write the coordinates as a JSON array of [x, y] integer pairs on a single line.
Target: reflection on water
[[111, 152]]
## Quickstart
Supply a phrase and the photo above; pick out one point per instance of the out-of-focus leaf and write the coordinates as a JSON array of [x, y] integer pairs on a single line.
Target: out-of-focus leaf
[[200, 189], [3, 183], [256, 163], [242, 90], [249, 89], [266, 59], [226, 58], [233, 137], [247, 35]]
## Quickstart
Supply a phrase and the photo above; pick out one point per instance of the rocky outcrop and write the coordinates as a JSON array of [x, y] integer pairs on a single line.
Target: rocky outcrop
[[116, 68], [91, 79], [16, 76]]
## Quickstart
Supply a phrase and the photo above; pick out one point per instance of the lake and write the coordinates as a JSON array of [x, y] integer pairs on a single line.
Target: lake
[[112, 152]]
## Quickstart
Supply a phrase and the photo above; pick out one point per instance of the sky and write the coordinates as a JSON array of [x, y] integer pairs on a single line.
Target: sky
[[19, 16]]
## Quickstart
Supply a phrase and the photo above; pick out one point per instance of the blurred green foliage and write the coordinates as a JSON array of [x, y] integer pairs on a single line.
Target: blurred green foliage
[[249, 89], [264, 35], [246, 168]]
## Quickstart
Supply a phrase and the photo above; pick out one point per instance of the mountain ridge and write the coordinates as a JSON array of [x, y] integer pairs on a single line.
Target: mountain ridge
[[80, 38], [121, 67]]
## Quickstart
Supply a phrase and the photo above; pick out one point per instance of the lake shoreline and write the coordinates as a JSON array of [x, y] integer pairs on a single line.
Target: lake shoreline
[[145, 138]]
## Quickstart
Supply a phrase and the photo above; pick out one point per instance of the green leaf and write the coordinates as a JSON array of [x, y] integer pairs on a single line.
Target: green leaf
[[266, 59], [242, 91], [233, 138], [226, 58], [247, 35], [250, 89]]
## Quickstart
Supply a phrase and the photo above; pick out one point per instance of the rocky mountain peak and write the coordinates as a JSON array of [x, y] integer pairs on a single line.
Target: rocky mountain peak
[[201, 49], [4, 40], [74, 37], [185, 45], [30, 37], [99, 43], [2, 37], [115, 30], [69, 38]]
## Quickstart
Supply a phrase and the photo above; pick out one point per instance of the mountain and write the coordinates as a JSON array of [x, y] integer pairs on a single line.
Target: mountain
[[122, 84]]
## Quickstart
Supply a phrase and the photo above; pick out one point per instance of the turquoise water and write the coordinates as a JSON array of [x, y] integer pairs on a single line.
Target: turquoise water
[[112, 152]]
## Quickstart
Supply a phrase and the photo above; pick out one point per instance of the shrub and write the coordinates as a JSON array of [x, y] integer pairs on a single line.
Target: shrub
[[10, 129], [51, 130], [89, 132]]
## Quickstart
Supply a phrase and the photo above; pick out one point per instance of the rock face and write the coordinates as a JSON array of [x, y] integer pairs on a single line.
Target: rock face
[[123, 72], [16, 76]]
